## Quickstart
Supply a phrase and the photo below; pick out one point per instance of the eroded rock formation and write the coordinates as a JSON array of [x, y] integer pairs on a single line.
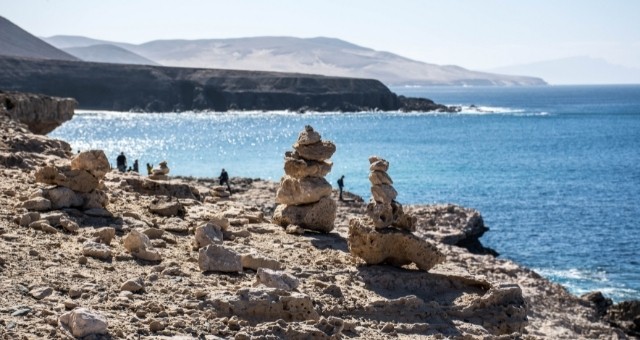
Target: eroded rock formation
[[304, 194], [40, 113]]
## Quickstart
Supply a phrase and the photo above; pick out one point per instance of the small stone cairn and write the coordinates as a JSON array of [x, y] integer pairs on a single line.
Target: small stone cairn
[[304, 195], [383, 209], [160, 173]]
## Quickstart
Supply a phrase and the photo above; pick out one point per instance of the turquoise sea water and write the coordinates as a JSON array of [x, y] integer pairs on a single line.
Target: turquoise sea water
[[555, 171]]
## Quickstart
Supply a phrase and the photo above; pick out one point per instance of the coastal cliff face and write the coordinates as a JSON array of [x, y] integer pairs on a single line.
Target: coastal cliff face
[[131, 266], [162, 89], [40, 113]]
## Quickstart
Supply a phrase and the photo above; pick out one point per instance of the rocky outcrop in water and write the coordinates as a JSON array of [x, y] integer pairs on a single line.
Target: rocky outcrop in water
[[40, 113], [122, 87], [304, 194]]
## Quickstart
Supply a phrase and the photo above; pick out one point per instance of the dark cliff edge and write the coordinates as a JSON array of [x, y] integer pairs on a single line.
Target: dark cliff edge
[[119, 87], [42, 114]]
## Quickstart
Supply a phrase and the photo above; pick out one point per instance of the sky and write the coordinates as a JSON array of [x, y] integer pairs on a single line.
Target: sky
[[476, 34]]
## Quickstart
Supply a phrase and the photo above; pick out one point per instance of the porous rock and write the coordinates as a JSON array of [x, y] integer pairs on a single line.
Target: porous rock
[[37, 204], [139, 245], [255, 261], [391, 246], [302, 190], [319, 151], [299, 168], [276, 279], [207, 234], [319, 216], [308, 136], [133, 285], [93, 161], [218, 258], [96, 250]]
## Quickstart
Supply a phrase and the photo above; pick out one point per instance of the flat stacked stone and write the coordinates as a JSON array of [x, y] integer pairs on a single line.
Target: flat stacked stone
[[160, 173], [304, 195], [383, 209]]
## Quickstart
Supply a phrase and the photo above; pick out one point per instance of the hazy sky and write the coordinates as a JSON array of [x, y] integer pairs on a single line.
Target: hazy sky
[[477, 34]]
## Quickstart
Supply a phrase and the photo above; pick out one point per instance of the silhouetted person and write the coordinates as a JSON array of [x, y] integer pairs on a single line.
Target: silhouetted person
[[224, 179], [135, 165], [122, 162], [341, 185], [149, 169]]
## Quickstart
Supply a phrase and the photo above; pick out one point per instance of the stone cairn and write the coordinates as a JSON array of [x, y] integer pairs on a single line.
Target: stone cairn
[[304, 195], [160, 173], [385, 235], [383, 209]]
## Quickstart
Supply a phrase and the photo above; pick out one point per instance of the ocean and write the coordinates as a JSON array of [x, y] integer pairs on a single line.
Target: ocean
[[554, 170]]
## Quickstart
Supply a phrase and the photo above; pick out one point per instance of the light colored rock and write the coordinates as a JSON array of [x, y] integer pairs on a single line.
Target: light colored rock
[[383, 193], [40, 293], [207, 234], [69, 225], [167, 208], [378, 164], [390, 214], [94, 199], [139, 245], [255, 261], [176, 225], [379, 177], [300, 168], [295, 191], [62, 197], [394, 247], [25, 219], [76, 180], [319, 216], [145, 186], [37, 204], [315, 152], [308, 136], [218, 258], [93, 161], [82, 322], [105, 234], [133, 285], [265, 304], [153, 233], [96, 250], [276, 279]]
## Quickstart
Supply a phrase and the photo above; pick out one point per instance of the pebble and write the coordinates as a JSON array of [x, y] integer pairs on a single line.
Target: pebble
[[156, 326], [40, 293]]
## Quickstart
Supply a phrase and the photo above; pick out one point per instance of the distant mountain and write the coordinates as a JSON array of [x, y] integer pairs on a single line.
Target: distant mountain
[[108, 54], [16, 42], [326, 56], [576, 70]]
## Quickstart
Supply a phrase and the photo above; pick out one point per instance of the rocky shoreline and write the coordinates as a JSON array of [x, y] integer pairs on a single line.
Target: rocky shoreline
[[90, 252]]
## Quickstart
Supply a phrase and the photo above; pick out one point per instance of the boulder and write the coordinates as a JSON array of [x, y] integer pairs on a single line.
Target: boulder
[[319, 151], [276, 279], [139, 245], [207, 234], [308, 136], [301, 191], [383, 193], [93, 161], [96, 250], [299, 168], [37, 204], [219, 258], [81, 322], [378, 164], [133, 285], [76, 180], [63, 197], [391, 246], [318, 216]]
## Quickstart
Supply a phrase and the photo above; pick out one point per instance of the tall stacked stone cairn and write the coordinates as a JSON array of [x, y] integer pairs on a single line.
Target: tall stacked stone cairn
[[385, 234], [304, 194]]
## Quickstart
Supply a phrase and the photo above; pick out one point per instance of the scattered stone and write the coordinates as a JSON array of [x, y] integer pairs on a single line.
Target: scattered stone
[[167, 208], [22, 311], [133, 285], [105, 235], [156, 326], [139, 245], [37, 204], [153, 233], [255, 261], [40, 293], [82, 322], [207, 234], [96, 250], [83, 260], [218, 258], [69, 225], [276, 279]]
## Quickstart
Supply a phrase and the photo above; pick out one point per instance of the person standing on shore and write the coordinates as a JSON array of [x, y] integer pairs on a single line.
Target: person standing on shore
[[121, 161], [224, 179], [135, 166], [341, 185]]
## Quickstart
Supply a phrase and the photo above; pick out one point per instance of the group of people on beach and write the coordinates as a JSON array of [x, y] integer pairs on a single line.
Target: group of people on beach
[[223, 179]]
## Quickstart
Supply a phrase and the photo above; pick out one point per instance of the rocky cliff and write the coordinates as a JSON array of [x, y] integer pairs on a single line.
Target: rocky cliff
[[40, 113], [150, 88], [128, 256]]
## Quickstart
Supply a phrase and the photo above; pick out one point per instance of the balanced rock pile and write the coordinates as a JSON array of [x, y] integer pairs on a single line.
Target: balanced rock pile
[[160, 173], [383, 210], [375, 238], [77, 185], [304, 193]]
